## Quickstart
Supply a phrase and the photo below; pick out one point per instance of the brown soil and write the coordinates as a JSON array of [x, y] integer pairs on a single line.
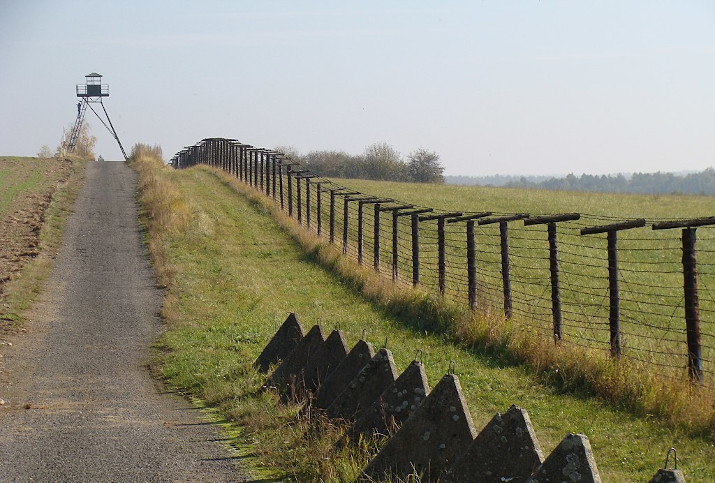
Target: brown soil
[[22, 219]]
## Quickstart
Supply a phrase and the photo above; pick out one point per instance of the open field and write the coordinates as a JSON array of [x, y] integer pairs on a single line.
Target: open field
[[233, 274], [539, 202], [34, 196], [653, 331]]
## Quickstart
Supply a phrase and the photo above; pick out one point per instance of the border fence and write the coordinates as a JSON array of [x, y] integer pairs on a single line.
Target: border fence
[[637, 289]]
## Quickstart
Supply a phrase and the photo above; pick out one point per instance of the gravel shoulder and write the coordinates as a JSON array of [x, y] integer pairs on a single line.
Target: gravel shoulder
[[79, 402]]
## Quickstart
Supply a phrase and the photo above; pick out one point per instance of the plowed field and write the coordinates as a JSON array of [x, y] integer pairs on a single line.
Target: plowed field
[[27, 186]]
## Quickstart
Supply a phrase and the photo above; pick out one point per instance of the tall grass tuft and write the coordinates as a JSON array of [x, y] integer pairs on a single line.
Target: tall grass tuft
[[165, 209], [568, 368]]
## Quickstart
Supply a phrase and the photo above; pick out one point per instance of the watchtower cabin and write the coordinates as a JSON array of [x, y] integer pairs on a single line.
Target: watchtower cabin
[[92, 92], [93, 88]]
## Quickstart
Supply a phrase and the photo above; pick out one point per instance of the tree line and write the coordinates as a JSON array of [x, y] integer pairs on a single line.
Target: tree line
[[379, 161], [701, 183]]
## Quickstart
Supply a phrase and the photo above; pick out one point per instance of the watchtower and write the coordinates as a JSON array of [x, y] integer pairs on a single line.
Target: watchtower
[[91, 92]]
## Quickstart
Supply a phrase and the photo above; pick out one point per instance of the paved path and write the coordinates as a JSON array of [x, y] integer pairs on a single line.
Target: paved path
[[79, 402]]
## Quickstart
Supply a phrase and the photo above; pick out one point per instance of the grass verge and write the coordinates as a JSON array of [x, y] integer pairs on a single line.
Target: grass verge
[[233, 275]]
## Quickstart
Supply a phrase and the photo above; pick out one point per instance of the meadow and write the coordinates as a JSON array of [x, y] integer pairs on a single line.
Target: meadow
[[234, 266], [650, 273]]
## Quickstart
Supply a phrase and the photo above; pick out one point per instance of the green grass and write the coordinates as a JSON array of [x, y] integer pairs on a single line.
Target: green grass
[[650, 268], [513, 200], [18, 176], [235, 274]]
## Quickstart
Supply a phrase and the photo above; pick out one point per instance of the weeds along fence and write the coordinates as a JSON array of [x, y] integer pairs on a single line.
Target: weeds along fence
[[637, 289]]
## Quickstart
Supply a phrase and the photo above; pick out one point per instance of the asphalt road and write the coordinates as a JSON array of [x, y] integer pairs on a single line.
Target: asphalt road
[[80, 404]]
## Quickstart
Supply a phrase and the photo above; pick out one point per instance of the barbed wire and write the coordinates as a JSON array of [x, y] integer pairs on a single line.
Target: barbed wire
[[650, 270]]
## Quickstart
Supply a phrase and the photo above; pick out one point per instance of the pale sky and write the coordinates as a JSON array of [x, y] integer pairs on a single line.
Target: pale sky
[[494, 87]]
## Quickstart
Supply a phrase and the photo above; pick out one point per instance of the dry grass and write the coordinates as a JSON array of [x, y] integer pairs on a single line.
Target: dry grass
[[166, 211]]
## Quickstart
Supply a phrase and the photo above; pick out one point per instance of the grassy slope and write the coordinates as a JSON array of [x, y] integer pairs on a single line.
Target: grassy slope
[[237, 274]]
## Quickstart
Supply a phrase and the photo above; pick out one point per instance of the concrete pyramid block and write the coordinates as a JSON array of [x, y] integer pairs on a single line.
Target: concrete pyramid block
[[668, 476], [325, 360], [572, 460], [281, 345], [365, 388], [431, 439], [346, 371], [394, 405], [292, 366], [505, 450]]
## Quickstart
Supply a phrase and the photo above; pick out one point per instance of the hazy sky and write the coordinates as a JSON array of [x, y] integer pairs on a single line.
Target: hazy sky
[[494, 87]]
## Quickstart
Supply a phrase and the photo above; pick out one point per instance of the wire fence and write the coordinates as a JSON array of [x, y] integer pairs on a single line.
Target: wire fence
[[637, 289]]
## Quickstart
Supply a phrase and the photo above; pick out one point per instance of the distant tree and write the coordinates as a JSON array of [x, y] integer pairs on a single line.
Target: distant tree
[[424, 166], [338, 164], [85, 142], [45, 152], [383, 162], [290, 152]]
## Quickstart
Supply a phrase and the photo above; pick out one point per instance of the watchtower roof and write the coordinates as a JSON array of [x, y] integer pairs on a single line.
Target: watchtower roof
[[93, 74]]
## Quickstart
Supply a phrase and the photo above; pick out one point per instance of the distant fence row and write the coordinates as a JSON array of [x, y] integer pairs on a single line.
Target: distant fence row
[[638, 289]]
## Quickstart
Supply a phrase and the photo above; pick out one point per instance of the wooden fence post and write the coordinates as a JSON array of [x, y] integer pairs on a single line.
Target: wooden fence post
[[307, 177], [551, 221], [332, 216], [395, 216], [260, 161], [224, 155], [280, 182], [237, 159], [504, 238], [273, 177], [471, 254], [233, 150], [395, 266], [307, 201], [252, 167], [256, 161], [690, 287], [614, 300], [319, 207], [361, 202], [415, 249], [360, 232], [242, 163], [269, 172], [415, 220], [246, 168], [346, 215], [376, 238], [290, 190], [441, 251], [692, 309], [298, 198]]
